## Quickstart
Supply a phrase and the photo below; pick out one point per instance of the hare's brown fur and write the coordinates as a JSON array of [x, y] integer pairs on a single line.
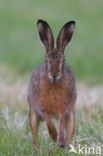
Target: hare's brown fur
[[52, 96]]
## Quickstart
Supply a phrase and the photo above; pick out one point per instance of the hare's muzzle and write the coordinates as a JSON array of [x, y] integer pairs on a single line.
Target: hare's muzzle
[[54, 77]]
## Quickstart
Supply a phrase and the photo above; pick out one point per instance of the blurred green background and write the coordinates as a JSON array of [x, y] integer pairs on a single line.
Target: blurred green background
[[21, 51], [20, 48]]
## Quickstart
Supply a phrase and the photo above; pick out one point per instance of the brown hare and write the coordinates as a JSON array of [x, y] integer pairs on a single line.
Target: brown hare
[[52, 90]]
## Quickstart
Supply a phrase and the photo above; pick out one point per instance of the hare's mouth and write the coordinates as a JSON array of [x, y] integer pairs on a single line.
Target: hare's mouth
[[54, 79]]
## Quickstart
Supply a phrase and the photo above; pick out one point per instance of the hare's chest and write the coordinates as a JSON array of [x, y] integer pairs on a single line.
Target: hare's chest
[[53, 98]]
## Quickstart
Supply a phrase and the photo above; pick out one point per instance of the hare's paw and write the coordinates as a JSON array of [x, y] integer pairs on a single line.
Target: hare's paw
[[61, 142]]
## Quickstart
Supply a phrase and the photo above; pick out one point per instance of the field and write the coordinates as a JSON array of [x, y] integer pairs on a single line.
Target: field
[[21, 51]]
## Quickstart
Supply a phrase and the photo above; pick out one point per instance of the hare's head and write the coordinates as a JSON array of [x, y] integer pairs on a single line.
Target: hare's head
[[55, 56]]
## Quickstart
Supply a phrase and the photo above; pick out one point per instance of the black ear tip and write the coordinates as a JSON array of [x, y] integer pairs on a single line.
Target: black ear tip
[[70, 23], [73, 22], [42, 21], [39, 21]]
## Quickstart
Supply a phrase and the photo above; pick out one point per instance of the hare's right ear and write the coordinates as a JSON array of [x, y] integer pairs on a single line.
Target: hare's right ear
[[45, 34]]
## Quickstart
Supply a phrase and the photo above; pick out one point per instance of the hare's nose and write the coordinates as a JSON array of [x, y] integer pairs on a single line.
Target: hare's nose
[[54, 75]]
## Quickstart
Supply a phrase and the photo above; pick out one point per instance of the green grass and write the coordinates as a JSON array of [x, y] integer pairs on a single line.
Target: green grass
[[16, 138], [19, 43]]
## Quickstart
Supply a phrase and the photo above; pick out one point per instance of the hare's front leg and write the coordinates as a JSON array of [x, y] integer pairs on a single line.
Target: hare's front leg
[[34, 124], [70, 125], [51, 126], [60, 138]]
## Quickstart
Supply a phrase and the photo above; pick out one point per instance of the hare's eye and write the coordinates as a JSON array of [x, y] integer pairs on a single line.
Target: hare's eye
[[63, 59], [46, 60]]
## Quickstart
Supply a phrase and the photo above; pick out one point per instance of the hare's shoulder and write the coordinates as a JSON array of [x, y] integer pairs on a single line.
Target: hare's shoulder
[[69, 72], [70, 79], [34, 82], [36, 74], [72, 83]]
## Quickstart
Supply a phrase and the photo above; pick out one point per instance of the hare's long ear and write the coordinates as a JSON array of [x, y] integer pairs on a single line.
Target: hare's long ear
[[65, 35], [45, 34]]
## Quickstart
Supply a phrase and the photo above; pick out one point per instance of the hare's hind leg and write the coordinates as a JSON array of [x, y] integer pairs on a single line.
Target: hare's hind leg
[[70, 125], [51, 126], [61, 124], [34, 124]]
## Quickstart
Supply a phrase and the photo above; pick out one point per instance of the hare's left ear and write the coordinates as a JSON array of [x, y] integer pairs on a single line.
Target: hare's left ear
[[65, 35]]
